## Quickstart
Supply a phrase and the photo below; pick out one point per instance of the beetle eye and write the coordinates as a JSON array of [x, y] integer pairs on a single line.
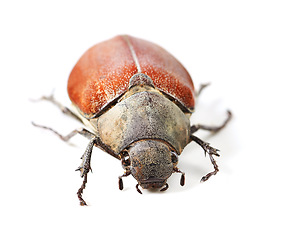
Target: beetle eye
[[126, 159], [174, 157]]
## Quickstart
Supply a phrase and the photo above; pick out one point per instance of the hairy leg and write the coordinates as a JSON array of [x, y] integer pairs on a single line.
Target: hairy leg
[[211, 151], [63, 108], [85, 166], [213, 129]]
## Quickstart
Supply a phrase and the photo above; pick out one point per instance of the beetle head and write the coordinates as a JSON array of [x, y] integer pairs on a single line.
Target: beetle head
[[151, 162]]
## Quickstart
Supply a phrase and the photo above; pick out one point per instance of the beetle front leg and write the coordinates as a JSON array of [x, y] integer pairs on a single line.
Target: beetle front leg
[[85, 168], [211, 151]]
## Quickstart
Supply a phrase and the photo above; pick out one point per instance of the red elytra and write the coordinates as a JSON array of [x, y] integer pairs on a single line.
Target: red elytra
[[102, 74]]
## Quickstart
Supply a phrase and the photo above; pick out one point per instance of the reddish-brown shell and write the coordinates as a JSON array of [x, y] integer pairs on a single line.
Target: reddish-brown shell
[[103, 72]]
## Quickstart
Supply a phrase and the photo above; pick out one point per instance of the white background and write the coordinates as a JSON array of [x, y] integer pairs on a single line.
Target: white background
[[238, 46]]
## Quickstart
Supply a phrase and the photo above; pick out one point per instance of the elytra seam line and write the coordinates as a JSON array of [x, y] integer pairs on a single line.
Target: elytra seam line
[[133, 53]]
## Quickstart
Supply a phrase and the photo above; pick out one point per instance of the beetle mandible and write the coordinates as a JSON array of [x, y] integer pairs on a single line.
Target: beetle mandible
[[137, 99]]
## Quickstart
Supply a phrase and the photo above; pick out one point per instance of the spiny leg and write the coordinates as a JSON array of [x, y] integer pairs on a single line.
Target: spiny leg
[[216, 169], [195, 128], [80, 192], [211, 151], [81, 131], [84, 132], [64, 109], [86, 157], [85, 168]]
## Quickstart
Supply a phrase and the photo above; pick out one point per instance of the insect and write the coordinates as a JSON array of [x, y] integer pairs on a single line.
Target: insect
[[137, 99]]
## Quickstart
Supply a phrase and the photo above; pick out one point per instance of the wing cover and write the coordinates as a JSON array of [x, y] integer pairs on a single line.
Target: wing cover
[[103, 72]]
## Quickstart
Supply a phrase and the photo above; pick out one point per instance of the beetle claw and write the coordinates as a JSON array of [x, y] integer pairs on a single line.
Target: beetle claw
[[83, 170], [206, 177], [210, 150]]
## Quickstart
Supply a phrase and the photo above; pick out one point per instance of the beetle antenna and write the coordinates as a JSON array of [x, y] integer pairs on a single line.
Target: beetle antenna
[[182, 179], [126, 173]]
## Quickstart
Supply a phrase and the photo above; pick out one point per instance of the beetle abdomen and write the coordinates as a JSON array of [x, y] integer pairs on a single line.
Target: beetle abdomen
[[144, 115], [102, 74]]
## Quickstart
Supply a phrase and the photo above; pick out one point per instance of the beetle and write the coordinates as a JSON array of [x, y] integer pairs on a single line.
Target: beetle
[[137, 99]]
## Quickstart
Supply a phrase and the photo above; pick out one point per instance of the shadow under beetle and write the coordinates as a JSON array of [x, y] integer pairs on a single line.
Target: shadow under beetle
[[138, 100]]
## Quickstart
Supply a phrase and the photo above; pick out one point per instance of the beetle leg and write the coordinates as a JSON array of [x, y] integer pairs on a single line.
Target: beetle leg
[[201, 88], [85, 168], [211, 151], [216, 169], [182, 179], [64, 109], [86, 158], [80, 191], [195, 128], [82, 131]]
